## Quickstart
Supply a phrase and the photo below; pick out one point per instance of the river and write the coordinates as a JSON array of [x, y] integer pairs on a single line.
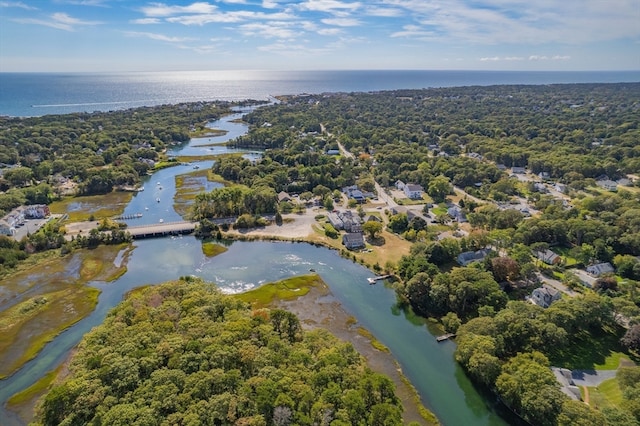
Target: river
[[429, 365]]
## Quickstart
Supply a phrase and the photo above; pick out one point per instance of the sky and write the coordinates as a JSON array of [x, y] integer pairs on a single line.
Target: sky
[[132, 35]]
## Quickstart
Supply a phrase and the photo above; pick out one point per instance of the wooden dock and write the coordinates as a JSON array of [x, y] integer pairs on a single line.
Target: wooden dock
[[445, 337], [162, 229], [372, 280]]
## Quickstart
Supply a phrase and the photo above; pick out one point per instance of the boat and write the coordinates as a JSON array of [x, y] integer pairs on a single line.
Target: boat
[[196, 167], [146, 208], [161, 220], [158, 199]]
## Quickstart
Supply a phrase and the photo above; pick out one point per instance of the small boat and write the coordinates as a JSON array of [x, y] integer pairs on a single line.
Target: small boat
[[161, 220], [160, 187], [146, 208], [196, 167], [158, 199]]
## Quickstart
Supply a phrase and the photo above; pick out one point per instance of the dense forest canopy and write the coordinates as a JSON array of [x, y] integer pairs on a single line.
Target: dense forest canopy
[[183, 353]]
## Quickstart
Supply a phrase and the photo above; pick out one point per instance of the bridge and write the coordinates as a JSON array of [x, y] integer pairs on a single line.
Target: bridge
[[161, 229]]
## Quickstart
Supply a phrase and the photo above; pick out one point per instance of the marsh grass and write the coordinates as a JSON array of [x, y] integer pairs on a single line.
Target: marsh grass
[[211, 249], [80, 209], [288, 289]]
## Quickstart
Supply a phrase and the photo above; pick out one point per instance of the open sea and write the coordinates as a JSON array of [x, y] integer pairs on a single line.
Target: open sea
[[36, 94]]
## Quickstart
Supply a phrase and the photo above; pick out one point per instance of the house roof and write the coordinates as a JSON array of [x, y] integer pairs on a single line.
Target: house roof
[[600, 268], [414, 187]]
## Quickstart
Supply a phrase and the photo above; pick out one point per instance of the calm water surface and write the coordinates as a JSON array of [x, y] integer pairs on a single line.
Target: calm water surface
[[428, 365]]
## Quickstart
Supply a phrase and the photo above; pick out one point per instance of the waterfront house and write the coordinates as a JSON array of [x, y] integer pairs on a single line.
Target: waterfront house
[[36, 211], [544, 296], [353, 240]]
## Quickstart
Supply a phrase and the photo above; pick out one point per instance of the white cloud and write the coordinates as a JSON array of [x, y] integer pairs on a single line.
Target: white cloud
[[383, 12], [17, 4], [330, 31], [292, 50], [549, 58], [498, 58], [523, 21], [342, 22], [159, 37], [163, 10], [145, 21], [60, 21], [329, 6], [280, 30]]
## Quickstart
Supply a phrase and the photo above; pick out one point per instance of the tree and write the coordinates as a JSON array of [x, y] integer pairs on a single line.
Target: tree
[[372, 227], [504, 268], [631, 338], [577, 413], [439, 187]]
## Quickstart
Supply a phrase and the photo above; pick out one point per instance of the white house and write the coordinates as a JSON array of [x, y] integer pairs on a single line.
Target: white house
[[400, 185], [5, 228], [544, 296], [413, 191], [548, 257], [607, 184]]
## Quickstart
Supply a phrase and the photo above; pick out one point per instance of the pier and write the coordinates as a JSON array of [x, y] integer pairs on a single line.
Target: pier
[[162, 229], [372, 280], [129, 216], [445, 337]]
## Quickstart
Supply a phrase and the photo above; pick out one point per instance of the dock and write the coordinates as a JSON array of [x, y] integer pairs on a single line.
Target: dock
[[445, 337], [162, 229], [372, 280], [129, 216]]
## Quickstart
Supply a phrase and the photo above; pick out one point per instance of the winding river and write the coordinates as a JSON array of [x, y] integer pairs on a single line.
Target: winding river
[[429, 365]]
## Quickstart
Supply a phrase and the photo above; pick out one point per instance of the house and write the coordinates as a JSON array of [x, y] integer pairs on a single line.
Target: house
[[544, 175], [544, 296], [561, 187], [518, 170], [607, 184], [400, 185], [5, 228], [283, 196], [333, 152], [36, 211], [600, 268], [548, 257], [355, 193], [413, 191], [353, 240], [345, 220], [457, 214], [472, 256], [567, 384]]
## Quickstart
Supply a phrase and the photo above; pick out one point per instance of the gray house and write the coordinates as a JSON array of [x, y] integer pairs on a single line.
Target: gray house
[[544, 296], [353, 240], [472, 256]]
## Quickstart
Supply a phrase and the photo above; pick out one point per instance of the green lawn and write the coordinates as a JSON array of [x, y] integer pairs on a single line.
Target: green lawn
[[600, 351], [607, 394], [282, 290]]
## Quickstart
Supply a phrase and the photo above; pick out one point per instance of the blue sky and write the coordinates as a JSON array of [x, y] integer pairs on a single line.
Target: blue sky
[[130, 35]]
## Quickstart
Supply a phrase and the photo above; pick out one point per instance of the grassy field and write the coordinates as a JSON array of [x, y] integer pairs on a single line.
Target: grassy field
[[601, 351], [288, 289], [607, 394]]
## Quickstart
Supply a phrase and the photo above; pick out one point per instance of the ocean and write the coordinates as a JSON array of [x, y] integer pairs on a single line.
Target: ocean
[[37, 94]]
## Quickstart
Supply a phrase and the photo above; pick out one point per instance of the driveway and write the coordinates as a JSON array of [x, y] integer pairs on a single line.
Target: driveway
[[591, 377]]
